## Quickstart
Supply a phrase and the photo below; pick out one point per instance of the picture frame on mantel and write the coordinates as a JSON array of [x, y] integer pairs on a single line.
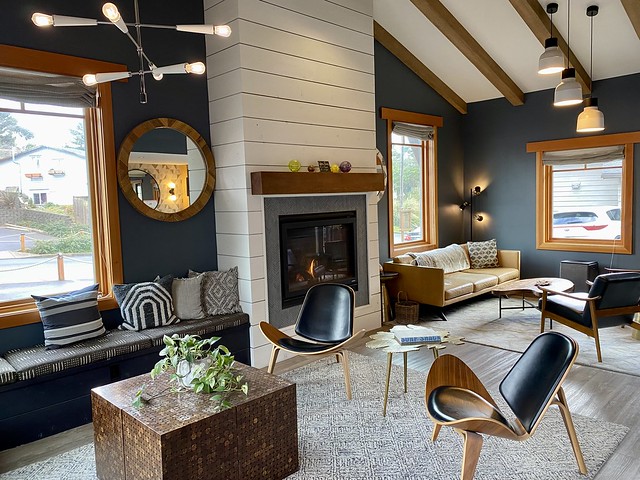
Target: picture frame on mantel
[[324, 166]]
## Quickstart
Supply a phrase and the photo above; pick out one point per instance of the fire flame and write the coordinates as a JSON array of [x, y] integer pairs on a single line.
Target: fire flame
[[312, 267]]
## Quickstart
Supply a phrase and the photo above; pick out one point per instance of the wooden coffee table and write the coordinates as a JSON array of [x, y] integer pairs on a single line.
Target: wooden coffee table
[[529, 288]]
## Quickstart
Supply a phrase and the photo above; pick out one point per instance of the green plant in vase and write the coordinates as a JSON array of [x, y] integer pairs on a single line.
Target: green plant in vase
[[195, 364]]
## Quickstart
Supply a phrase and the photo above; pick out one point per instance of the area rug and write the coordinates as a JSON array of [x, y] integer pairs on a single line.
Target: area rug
[[351, 440], [478, 321]]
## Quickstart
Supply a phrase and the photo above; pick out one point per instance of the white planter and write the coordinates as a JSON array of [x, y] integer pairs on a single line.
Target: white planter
[[187, 371]]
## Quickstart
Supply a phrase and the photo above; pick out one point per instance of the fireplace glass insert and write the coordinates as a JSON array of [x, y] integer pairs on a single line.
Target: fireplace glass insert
[[316, 248]]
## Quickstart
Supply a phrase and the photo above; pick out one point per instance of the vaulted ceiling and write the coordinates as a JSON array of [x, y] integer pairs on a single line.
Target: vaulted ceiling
[[474, 50]]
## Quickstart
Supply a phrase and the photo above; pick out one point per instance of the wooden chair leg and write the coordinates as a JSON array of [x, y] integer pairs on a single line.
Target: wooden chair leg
[[347, 377], [571, 430], [542, 323], [596, 337], [436, 431], [272, 361], [471, 455]]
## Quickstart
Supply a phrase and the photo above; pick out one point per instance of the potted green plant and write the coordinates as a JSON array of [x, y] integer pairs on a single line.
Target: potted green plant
[[195, 364]]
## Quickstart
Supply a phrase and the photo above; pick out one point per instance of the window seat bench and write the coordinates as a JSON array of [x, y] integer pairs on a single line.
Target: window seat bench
[[43, 392]]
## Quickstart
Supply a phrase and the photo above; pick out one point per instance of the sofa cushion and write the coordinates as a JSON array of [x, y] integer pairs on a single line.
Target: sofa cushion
[[187, 297], [200, 327], [220, 294], [479, 281], [483, 254], [70, 317], [7, 372], [35, 361], [404, 258], [450, 258], [456, 286], [146, 305], [504, 274]]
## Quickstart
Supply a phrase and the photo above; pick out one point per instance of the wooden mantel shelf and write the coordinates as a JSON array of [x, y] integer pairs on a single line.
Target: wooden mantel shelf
[[274, 183]]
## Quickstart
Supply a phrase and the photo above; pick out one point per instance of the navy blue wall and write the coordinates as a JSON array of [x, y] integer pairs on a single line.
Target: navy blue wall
[[398, 87], [149, 247], [495, 138]]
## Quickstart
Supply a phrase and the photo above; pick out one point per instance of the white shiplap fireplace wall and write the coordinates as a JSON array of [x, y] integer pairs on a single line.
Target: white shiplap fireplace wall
[[294, 81]]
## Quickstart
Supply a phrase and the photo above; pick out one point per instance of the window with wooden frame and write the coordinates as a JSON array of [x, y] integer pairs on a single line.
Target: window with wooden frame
[[412, 180], [95, 150], [584, 193]]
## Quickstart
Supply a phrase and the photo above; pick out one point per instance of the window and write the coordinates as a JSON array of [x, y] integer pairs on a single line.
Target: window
[[584, 193], [412, 192], [68, 191]]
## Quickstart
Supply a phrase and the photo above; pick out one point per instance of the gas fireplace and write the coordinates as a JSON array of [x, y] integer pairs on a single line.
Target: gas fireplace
[[316, 248]]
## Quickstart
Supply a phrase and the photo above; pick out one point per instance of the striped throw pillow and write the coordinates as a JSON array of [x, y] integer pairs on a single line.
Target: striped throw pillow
[[146, 305], [70, 317]]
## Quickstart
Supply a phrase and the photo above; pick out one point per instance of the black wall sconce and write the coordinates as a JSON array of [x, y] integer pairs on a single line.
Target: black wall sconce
[[474, 192]]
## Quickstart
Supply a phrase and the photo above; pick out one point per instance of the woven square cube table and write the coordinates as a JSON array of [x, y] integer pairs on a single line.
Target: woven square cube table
[[180, 435]]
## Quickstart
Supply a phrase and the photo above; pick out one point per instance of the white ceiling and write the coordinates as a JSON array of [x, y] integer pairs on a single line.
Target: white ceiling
[[500, 30]]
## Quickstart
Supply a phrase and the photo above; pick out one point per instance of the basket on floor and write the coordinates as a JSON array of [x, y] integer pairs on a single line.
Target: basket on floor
[[406, 310]]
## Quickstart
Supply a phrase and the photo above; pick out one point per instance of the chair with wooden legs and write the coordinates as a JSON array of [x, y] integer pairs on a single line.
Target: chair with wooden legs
[[455, 397], [611, 301], [325, 322]]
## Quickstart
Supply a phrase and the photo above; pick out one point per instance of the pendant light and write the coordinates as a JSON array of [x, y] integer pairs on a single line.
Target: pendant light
[[552, 59], [591, 119], [569, 91]]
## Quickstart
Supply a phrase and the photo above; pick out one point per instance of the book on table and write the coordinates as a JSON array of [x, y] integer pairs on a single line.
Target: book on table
[[406, 334]]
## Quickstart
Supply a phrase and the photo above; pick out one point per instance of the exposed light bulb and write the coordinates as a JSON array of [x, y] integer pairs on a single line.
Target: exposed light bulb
[[89, 79], [197, 68], [42, 19], [222, 30], [171, 185], [111, 12], [173, 198], [93, 78]]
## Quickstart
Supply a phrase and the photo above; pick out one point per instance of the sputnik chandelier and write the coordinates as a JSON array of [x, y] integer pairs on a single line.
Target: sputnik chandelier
[[112, 14]]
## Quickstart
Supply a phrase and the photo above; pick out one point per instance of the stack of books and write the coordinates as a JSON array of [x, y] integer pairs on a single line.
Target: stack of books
[[411, 334]]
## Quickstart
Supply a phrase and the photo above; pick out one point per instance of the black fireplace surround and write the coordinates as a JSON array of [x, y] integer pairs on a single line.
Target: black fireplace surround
[[316, 248]]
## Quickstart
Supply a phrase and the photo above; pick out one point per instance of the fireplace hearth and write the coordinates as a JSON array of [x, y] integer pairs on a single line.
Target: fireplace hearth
[[316, 248]]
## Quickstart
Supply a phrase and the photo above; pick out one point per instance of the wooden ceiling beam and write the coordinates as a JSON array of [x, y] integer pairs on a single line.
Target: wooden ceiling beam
[[389, 42], [444, 21], [537, 19], [632, 7]]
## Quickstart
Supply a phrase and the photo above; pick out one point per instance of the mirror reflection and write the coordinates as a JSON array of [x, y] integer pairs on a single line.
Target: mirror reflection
[[174, 161], [145, 187]]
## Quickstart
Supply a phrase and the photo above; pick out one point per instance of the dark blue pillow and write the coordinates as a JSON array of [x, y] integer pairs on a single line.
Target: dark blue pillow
[[70, 317], [146, 305]]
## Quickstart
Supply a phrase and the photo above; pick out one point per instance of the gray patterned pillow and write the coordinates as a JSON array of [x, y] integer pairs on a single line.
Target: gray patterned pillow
[[220, 291], [146, 305], [483, 254]]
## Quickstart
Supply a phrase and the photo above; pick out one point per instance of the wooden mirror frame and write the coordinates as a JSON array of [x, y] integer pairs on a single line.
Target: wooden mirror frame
[[123, 169]]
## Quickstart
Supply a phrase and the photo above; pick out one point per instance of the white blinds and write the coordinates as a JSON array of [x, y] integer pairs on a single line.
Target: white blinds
[[423, 132], [47, 88], [583, 155]]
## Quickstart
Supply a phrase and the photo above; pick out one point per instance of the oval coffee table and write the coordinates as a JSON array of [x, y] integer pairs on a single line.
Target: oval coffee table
[[529, 287]]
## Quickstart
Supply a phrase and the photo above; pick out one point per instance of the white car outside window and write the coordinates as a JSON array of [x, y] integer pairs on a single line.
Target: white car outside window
[[602, 222]]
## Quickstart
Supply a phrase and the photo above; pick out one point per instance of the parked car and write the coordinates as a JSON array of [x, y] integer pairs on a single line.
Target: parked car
[[602, 222], [415, 234]]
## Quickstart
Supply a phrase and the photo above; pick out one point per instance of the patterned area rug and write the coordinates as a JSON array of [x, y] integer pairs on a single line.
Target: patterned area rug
[[349, 440], [478, 322]]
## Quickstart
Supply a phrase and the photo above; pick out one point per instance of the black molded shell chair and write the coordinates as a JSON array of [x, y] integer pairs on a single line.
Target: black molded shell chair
[[612, 300], [325, 323], [455, 397]]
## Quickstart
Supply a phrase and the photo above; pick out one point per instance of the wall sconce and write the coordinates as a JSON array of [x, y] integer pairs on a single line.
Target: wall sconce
[[172, 191]]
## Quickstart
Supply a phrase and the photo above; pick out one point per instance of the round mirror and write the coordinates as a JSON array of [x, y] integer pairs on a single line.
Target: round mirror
[[166, 170]]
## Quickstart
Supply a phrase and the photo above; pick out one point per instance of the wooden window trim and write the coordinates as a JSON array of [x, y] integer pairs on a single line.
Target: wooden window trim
[[102, 176], [429, 181], [544, 241]]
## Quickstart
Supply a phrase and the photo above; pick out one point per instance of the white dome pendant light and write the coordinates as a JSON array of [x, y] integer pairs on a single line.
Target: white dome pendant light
[[569, 91], [552, 60], [591, 119]]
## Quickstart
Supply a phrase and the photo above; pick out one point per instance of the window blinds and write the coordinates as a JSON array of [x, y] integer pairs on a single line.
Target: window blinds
[[583, 156], [47, 88], [423, 132]]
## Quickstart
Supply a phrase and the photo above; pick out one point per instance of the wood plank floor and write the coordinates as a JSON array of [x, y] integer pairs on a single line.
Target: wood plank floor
[[591, 392]]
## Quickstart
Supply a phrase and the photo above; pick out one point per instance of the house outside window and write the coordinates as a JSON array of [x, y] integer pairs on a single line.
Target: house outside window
[[57, 182], [584, 193], [412, 180]]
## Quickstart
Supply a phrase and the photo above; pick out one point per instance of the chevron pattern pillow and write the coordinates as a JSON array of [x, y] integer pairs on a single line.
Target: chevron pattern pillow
[[70, 317], [146, 305], [483, 254], [220, 291]]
